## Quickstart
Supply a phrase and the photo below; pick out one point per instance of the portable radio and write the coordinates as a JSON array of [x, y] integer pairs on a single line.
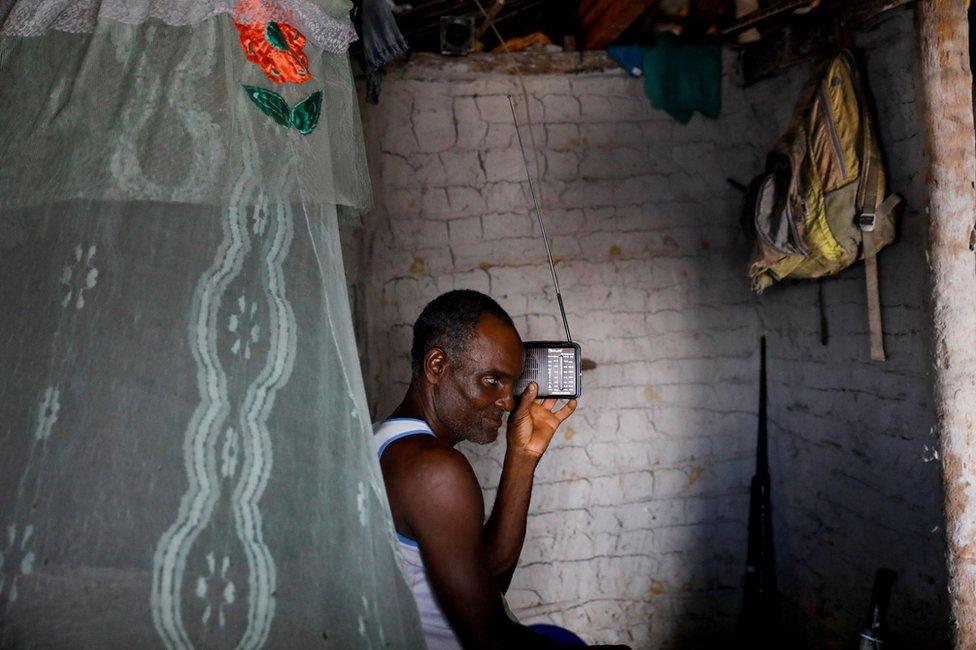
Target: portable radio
[[554, 365]]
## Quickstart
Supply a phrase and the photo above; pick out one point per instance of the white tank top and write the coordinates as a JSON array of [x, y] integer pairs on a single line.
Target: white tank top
[[437, 630]]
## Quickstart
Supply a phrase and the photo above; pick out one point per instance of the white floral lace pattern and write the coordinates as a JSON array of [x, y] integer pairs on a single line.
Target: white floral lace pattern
[[35, 17]]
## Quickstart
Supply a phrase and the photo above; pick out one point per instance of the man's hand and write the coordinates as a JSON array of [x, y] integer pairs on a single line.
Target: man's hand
[[530, 428], [533, 423]]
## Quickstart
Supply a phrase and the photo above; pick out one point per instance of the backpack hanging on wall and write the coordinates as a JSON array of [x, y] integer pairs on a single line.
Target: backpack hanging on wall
[[821, 205]]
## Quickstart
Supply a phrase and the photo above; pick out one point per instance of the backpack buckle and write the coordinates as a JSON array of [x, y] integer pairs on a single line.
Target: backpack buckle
[[866, 221]]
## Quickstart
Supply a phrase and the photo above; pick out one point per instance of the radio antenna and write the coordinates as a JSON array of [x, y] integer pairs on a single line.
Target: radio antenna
[[542, 225]]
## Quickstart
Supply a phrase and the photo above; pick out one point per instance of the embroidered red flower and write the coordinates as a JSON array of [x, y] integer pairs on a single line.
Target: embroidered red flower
[[277, 48]]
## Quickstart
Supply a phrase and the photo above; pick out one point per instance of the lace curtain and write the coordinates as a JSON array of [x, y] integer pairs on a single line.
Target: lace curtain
[[185, 455], [325, 22]]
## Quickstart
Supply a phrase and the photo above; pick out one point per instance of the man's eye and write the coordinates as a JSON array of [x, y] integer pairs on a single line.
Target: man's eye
[[493, 381]]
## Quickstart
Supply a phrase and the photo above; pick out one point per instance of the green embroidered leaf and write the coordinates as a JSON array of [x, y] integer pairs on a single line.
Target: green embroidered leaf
[[271, 104], [274, 36], [305, 115]]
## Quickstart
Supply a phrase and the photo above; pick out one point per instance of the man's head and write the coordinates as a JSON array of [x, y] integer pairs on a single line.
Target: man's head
[[467, 355]]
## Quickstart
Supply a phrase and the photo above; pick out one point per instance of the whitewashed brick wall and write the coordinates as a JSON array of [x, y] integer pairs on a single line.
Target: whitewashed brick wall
[[637, 531]]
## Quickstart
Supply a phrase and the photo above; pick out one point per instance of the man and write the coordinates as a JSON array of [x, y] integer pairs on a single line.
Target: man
[[466, 358]]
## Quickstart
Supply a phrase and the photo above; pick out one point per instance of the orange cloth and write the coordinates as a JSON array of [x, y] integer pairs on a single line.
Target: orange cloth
[[535, 39], [277, 48]]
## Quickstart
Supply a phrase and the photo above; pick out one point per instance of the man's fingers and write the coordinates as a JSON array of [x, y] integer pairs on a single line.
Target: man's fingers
[[527, 396], [548, 403], [566, 410]]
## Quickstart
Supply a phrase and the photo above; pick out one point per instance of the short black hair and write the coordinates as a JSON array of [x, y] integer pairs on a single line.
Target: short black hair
[[448, 321]]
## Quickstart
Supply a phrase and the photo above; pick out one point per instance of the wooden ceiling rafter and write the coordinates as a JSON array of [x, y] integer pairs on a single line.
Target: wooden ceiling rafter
[[422, 19], [788, 39], [793, 25]]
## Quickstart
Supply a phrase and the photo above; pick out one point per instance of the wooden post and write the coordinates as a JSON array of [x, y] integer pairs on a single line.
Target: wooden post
[[946, 84]]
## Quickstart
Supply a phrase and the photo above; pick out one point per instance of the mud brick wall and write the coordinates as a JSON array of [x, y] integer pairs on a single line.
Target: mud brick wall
[[637, 531]]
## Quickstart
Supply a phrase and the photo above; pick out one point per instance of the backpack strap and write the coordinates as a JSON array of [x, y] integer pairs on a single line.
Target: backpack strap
[[875, 328], [867, 210], [868, 213], [871, 279]]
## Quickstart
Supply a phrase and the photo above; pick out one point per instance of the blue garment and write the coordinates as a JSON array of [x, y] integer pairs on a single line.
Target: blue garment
[[630, 58], [557, 634]]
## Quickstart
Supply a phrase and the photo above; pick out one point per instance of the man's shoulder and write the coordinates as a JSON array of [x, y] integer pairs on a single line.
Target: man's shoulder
[[420, 456], [421, 464], [433, 482]]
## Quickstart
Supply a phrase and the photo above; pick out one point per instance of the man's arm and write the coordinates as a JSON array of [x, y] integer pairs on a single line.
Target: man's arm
[[530, 429], [445, 512], [504, 532]]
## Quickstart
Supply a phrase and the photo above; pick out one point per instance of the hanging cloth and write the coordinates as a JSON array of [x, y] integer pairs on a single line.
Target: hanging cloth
[[185, 448], [681, 78], [382, 42], [628, 57]]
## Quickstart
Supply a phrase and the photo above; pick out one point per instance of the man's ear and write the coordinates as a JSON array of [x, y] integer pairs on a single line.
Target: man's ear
[[435, 362]]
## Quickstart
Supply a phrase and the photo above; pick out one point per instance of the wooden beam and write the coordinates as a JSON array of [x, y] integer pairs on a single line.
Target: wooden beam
[[854, 14], [850, 12], [794, 43], [419, 22], [489, 18], [788, 40], [760, 16], [946, 84]]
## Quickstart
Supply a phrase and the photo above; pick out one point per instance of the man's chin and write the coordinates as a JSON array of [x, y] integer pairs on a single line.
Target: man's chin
[[488, 435]]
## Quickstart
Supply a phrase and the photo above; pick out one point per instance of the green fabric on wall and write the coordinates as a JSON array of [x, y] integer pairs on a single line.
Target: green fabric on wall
[[681, 78]]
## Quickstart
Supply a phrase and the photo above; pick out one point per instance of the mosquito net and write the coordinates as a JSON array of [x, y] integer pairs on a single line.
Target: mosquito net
[[185, 455]]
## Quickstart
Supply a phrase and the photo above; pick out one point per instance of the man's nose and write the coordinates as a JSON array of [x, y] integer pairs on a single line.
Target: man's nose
[[507, 402]]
